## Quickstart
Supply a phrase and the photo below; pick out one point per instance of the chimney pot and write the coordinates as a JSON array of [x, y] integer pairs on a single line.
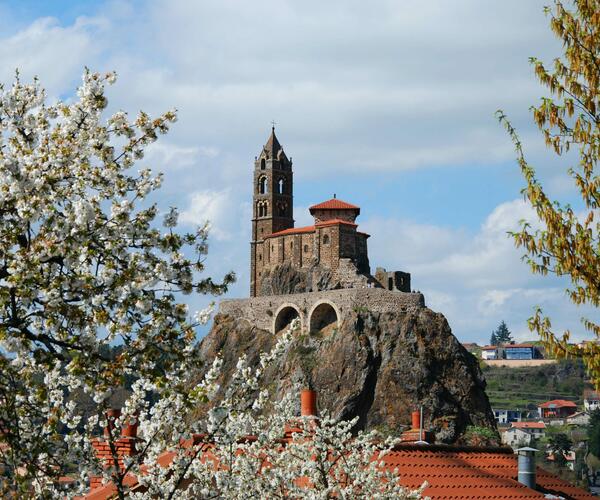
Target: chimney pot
[[308, 403], [416, 419], [111, 416], [130, 428]]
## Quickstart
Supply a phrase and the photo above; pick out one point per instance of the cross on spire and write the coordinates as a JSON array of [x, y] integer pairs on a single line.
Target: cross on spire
[[273, 124]]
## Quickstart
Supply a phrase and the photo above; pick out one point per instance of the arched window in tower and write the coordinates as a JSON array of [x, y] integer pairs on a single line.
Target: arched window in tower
[[262, 185], [263, 164], [265, 209], [326, 239], [280, 186], [281, 209]]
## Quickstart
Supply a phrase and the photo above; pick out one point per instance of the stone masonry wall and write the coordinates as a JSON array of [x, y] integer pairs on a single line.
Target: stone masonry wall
[[262, 311]]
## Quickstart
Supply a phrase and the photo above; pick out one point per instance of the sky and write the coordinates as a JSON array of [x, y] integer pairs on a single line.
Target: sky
[[389, 104]]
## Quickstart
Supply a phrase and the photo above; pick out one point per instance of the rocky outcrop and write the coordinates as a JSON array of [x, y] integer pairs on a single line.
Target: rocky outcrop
[[377, 366], [285, 279]]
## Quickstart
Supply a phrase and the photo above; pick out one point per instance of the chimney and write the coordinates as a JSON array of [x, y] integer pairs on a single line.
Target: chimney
[[308, 403], [417, 433], [124, 446], [416, 420], [526, 467]]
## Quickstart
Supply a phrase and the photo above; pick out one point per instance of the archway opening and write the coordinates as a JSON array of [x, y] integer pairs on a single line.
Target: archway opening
[[284, 318], [323, 319]]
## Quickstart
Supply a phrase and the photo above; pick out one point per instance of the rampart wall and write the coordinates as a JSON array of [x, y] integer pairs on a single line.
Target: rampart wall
[[263, 311]]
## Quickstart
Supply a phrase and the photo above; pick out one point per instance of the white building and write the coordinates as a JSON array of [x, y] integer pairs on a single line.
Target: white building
[[591, 400], [489, 352], [521, 433]]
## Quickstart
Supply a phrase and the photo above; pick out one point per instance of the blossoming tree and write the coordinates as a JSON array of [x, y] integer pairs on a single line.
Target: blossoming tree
[[85, 266]]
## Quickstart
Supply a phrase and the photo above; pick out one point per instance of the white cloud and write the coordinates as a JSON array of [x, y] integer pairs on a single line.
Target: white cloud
[[171, 156], [55, 53], [216, 207], [360, 88], [477, 279]]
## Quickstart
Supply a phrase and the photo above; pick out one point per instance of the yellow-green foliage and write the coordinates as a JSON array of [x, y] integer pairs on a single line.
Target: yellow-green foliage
[[569, 242]]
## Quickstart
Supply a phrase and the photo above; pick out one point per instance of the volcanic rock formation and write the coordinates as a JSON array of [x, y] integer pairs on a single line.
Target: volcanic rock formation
[[378, 366]]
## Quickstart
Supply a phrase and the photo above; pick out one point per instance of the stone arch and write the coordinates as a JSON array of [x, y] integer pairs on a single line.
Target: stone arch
[[323, 315], [284, 315]]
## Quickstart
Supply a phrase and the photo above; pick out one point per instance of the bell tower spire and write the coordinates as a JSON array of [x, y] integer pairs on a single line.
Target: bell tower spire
[[272, 201]]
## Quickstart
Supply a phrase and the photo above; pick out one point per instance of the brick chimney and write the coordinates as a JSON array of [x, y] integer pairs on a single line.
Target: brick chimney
[[124, 446]]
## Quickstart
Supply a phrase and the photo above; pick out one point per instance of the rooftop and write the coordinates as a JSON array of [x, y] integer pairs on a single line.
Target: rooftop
[[471, 473], [558, 403], [311, 229], [451, 472], [528, 425], [334, 204]]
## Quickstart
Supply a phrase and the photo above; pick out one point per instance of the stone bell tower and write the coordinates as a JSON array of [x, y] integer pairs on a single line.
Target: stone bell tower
[[272, 202]]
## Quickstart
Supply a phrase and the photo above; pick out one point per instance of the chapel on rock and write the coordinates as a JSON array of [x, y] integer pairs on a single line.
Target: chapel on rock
[[329, 254]]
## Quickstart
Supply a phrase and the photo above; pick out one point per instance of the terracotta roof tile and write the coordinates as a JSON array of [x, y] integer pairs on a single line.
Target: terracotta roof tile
[[487, 474], [452, 473], [558, 403], [333, 204], [311, 229], [293, 230], [529, 425]]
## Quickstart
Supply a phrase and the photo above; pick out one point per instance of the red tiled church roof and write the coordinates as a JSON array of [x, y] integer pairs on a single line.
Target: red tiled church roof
[[311, 229], [558, 403], [293, 230], [334, 204]]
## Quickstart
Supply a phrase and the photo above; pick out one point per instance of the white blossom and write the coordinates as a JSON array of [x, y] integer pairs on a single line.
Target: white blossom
[[89, 300]]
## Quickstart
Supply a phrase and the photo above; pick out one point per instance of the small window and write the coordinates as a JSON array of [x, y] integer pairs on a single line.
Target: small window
[[262, 185], [263, 164], [272, 248], [291, 244], [326, 240], [260, 258], [305, 248], [280, 186]]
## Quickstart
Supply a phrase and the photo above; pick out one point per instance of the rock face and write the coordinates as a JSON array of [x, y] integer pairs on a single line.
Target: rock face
[[377, 366], [285, 279]]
